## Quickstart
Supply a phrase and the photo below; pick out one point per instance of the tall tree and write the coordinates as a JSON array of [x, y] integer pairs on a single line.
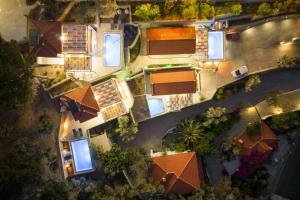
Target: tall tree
[[264, 9], [126, 128], [15, 74], [107, 8], [191, 131], [147, 12], [215, 116], [55, 189], [206, 11], [117, 159], [190, 10]]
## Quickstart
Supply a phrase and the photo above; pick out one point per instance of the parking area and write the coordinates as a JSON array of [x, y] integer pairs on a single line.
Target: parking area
[[259, 49]]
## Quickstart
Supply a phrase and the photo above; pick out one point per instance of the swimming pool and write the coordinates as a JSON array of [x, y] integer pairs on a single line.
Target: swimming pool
[[156, 106], [215, 45], [81, 155], [112, 49]]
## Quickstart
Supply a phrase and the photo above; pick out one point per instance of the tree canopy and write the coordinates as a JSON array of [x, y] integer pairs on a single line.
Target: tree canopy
[[264, 9], [54, 189], [252, 82], [147, 12], [117, 159], [215, 115], [126, 128], [15, 74], [191, 131]]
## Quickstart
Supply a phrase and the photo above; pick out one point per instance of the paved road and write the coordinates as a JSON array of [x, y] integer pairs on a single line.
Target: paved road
[[288, 185], [151, 131]]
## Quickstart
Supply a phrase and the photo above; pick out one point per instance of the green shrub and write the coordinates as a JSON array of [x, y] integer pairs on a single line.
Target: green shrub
[[190, 9], [285, 121], [264, 9], [147, 12], [252, 82], [206, 11], [220, 95]]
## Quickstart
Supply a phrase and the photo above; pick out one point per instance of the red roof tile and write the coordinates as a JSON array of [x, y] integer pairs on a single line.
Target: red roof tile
[[85, 97], [175, 81], [48, 42], [171, 33], [179, 173], [259, 142], [174, 40]]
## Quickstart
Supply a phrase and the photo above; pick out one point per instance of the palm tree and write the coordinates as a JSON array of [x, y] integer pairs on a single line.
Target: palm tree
[[191, 131], [126, 128]]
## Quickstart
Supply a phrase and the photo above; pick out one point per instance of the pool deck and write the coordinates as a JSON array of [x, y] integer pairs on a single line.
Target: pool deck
[[98, 68]]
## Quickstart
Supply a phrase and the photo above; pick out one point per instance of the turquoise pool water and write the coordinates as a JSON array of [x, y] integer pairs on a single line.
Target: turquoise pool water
[[215, 45], [81, 155], [112, 49], [156, 106]]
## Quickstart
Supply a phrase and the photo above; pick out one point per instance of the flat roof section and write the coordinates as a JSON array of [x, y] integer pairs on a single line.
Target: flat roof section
[[112, 49], [171, 33], [165, 47], [174, 81], [74, 38], [215, 45], [81, 155], [171, 40], [106, 93]]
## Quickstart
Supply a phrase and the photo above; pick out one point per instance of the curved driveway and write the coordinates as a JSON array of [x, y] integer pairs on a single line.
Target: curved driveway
[[151, 131]]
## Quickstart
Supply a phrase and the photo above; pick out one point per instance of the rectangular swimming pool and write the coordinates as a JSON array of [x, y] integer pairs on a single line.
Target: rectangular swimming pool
[[156, 106], [215, 45], [112, 49], [81, 155]]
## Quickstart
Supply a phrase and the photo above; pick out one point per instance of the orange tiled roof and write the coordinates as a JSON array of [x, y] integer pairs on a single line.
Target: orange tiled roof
[[259, 142], [175, 81], [171, 33], [179, 173], [48, 42], [84, 96]]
